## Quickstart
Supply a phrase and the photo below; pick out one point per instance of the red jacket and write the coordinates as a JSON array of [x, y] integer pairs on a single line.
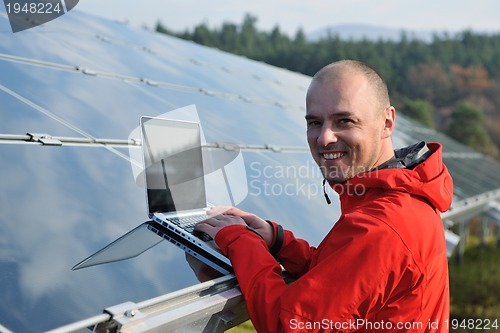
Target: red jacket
[[382, 267]]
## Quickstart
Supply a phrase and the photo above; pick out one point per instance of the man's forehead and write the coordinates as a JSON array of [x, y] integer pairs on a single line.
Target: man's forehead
[[340, 78], [330, 113], [341, 92]]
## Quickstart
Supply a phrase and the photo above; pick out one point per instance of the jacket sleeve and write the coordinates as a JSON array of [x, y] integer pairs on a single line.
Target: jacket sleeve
[[254, 266], [295, 254], [346, 284]]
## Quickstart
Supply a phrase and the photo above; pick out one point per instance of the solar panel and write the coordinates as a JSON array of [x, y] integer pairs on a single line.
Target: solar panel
[[89, 78]]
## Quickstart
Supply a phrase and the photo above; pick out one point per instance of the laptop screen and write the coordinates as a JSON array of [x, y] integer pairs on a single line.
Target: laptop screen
[[173, 165]]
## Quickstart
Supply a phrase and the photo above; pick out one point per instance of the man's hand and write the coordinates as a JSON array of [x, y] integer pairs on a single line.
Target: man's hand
[[202, 271], [225, 216], [214, 224]]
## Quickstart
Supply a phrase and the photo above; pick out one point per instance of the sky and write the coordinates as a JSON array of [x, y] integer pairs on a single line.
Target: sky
[[310, 15]]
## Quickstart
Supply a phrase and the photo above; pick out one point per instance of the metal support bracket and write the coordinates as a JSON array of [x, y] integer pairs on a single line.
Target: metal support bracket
[[44, 139], [210, 307], [126, 315]]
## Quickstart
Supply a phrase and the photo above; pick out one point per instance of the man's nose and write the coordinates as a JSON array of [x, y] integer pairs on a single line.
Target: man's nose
[[327, 136]]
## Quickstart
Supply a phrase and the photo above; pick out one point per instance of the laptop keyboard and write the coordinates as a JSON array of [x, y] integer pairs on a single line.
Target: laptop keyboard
[[188, 223]]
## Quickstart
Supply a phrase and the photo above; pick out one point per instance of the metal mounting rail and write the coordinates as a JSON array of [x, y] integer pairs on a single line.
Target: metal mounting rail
[[212, 306], [465, 209], [49, 140]]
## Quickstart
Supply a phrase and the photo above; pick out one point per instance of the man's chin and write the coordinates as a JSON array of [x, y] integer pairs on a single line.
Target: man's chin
[[336, 176], [336, 181]]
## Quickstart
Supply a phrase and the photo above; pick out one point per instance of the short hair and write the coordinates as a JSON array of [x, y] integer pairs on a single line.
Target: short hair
[[342, 67]]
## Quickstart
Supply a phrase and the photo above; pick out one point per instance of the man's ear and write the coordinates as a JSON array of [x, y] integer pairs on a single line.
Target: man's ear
[[389, 121]]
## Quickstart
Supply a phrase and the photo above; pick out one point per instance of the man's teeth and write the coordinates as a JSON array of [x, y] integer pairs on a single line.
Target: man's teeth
[[332, 156]]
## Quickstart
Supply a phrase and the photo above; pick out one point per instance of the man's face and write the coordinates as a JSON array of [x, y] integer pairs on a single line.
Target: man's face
[[345, 127]]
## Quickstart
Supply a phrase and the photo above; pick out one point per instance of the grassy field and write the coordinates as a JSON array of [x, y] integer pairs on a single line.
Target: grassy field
[[475, 286], [246, 327]]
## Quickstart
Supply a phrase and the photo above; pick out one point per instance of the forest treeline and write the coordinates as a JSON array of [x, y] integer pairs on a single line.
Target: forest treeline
[[451, 83]]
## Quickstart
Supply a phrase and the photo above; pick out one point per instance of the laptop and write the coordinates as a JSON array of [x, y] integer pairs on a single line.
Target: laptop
[[175, 187]]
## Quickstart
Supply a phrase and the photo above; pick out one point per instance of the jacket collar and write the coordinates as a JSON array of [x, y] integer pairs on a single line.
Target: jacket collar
[[417, 170]]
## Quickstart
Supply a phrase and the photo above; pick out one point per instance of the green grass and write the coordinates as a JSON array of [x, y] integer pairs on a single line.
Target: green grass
[[246, 327], [475, 285]]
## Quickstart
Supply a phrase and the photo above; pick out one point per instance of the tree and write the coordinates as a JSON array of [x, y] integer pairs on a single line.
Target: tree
[[228, 36], [429, 82], [249, 37], [203, 35], [163, 29], [419, 110], [470, 81], [467, 126]]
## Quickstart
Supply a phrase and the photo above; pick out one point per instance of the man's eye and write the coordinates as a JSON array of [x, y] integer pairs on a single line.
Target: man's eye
[[313, 123], [345, 121]]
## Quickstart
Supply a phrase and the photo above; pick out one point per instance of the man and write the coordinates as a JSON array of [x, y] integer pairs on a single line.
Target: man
[[383, 265]]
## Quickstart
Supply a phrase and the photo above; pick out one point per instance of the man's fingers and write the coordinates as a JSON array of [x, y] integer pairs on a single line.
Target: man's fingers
[[214, 221], [229, 211], [204, 227], [211, 225], [218, 210], [236, 212]]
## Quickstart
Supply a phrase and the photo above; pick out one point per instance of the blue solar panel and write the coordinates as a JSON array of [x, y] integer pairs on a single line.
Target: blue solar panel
[[79, 76]]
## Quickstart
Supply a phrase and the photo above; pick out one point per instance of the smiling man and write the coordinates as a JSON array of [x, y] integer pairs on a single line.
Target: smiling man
[[349, 121], [383, 265]]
